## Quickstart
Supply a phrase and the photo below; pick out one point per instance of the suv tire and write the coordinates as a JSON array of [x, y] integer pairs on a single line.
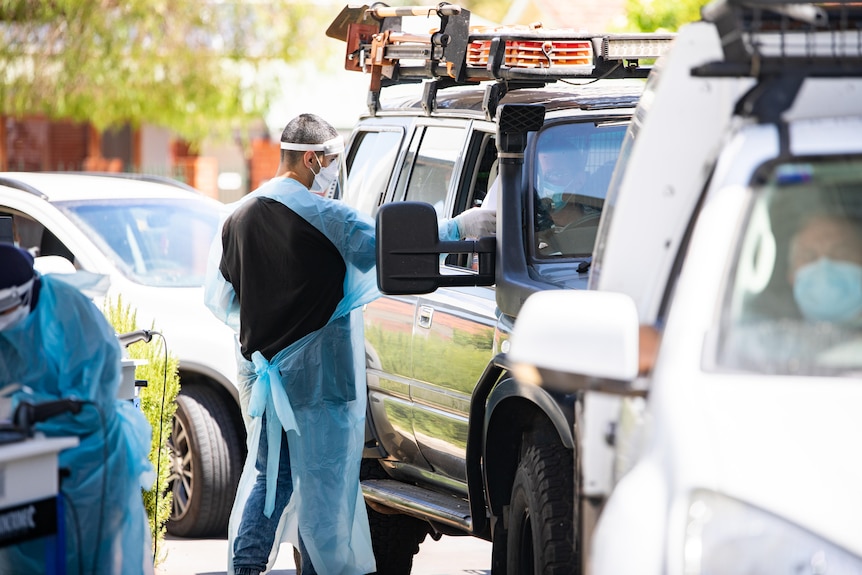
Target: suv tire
[[395, 538], [206, 462], [540, 534]]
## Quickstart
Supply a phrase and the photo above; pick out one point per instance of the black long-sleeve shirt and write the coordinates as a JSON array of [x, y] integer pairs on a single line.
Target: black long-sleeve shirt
[[288, 276]]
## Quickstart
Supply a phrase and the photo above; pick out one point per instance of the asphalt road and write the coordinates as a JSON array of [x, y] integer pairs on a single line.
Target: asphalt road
[[449, 556]]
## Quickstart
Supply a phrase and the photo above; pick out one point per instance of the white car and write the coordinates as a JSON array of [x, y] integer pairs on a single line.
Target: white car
[[151, 237], [719, 348]]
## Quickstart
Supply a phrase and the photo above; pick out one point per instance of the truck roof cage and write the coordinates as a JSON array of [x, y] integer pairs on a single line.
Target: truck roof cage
[[763, 37], [454, 54], [782, 42]]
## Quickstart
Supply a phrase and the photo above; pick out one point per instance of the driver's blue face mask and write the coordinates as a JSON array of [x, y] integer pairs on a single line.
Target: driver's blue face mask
[[827, 290], [561, 176], [555, 192]]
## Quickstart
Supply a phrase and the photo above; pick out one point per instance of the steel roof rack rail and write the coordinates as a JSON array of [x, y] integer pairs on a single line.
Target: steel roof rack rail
[[781, 42], [454, 54], [11, 182]]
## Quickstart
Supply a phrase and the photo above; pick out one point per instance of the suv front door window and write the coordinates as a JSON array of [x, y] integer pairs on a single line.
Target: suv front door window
[[433, 166], [370, 162], [572, 170]]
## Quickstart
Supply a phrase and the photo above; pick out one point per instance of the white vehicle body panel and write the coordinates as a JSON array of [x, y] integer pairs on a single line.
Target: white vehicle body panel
[[782, 445]]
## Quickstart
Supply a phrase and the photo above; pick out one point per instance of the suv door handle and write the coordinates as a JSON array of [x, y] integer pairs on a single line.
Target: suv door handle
[[425, 314]]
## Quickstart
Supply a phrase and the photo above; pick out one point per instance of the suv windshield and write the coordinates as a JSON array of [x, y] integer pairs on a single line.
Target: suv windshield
[[573, 167], [795, 300], [160, 243]]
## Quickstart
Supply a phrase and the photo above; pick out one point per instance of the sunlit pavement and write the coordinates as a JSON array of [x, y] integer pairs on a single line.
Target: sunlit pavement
[[449, 556]]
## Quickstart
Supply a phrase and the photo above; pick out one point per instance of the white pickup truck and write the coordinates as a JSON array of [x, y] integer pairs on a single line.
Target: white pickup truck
[[719, 348]]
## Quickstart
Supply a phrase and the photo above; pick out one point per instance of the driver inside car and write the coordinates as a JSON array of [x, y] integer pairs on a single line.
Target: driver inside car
[[566, 219]]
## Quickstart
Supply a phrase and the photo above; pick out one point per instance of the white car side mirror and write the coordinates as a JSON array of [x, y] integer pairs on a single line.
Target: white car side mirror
[[53, 265], [570, 340]]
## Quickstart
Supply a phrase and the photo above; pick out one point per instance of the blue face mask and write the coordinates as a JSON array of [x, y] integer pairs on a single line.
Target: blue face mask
[[828, 290], [556, 193]]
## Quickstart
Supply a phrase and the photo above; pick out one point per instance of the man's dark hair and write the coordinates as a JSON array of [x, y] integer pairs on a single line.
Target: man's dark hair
[[305, 129]]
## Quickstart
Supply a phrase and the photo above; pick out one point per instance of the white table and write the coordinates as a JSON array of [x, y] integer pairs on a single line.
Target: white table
[[30, 506]]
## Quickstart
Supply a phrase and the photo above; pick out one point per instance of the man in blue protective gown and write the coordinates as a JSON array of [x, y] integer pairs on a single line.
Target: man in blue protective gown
[[56, 345], [290, 272]]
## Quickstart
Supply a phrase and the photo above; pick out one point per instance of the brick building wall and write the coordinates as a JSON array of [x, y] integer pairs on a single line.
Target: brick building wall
[[265, 155]]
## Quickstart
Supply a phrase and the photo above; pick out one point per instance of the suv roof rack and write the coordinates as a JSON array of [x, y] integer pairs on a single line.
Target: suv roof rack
[[763, 37], [781, 42], [455, 54]]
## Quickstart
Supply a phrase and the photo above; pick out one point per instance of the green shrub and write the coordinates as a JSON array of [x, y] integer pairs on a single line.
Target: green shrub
[[158, 403]]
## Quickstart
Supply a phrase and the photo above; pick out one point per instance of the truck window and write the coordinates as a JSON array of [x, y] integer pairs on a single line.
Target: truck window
[[433, 166], [370, 162], [572, 168], [480, 174], [479, 178], [794, 301]]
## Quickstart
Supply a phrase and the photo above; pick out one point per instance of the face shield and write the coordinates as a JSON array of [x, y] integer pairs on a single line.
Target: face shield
[[325, 177]]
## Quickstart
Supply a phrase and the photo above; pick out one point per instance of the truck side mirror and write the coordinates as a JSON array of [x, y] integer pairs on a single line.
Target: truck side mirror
[[409, 249]]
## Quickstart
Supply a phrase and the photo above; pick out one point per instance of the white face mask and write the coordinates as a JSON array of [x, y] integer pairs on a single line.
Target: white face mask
[[15, 295], [13, 318], [324, 177]]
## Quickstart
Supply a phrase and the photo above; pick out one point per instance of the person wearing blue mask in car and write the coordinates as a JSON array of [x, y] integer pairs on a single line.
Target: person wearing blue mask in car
[[561, 175], [567, 217], [56, 345], [826, 269], [290, 272]]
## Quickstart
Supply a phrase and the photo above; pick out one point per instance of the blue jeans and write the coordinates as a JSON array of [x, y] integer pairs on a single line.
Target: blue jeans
[[256, 533]]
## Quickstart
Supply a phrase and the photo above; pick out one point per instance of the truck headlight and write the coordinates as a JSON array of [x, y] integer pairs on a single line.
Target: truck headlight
[[724, 536]]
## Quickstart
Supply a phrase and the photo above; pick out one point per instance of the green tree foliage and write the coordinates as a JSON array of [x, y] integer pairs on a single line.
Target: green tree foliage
[[195, 67], [158, 403], [493, 10], [662, 15]]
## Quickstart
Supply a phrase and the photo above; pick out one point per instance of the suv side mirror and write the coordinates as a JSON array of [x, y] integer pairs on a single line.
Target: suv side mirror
[[570, 340], [409, 248]]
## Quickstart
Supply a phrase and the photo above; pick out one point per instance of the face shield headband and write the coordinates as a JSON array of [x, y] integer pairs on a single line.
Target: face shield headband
[[329, 147], [16, 295]]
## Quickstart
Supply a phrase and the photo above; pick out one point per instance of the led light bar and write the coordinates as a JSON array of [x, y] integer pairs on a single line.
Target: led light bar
[[634, 47]]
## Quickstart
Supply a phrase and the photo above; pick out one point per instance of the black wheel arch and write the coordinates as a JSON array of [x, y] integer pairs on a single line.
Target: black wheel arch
[[515, 409]]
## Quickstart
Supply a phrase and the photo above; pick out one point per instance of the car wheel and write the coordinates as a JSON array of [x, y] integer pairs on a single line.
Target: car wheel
[[206, 463], [395, 538], [540, 538]]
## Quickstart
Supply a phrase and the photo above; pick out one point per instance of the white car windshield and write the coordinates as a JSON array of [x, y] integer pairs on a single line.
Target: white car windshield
[[795, 300], [154, 242]]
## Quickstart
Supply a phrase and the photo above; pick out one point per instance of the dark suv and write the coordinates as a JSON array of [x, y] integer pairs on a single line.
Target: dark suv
[[455, 445]]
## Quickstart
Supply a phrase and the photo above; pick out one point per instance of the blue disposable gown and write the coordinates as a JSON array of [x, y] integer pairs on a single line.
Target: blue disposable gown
[[66, 349], [324, 419]]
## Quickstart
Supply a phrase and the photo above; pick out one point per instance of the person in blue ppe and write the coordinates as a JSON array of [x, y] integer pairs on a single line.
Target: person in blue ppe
[[290, 272], [55, 344]]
